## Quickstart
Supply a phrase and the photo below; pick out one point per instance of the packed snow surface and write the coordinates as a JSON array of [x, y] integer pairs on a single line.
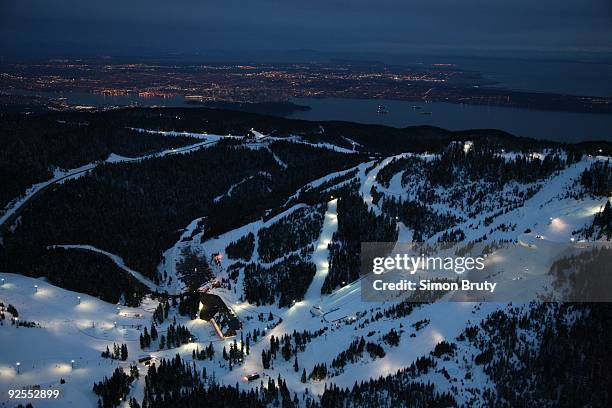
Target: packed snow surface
[[72, 328]]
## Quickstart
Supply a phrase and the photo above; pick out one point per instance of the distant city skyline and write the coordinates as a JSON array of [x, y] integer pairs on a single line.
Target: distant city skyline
[[272, 28]]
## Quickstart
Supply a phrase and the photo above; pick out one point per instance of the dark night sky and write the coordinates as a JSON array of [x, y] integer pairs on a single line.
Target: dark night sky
[[156, 27]]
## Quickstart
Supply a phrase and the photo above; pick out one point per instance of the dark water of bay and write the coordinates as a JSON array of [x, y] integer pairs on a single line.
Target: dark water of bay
[[557, 126]]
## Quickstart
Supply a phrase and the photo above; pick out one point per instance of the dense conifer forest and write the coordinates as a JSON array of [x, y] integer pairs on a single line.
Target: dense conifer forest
[[137, 210], [242, 248], [356, 224], [597, 179], [565, 363], [285, 281], [32, 146], [291, 233]]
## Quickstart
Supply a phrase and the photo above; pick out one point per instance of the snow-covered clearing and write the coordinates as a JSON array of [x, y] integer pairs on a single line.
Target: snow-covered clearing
[[70, 330], [368, 180]]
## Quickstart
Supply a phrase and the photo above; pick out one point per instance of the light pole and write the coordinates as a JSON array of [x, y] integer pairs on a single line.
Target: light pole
[[18, 364], [79, 299], [35, 288], [72, 364]]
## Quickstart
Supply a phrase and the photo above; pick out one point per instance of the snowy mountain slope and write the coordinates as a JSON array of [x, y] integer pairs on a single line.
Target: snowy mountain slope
[[346, 301], [69, 330], [544, 216]]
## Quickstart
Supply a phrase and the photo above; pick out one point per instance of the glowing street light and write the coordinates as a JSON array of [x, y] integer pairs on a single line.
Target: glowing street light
[[18, 364], [118, 310], [72, 364], [35, 288], [79, 299], [115, 324]]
